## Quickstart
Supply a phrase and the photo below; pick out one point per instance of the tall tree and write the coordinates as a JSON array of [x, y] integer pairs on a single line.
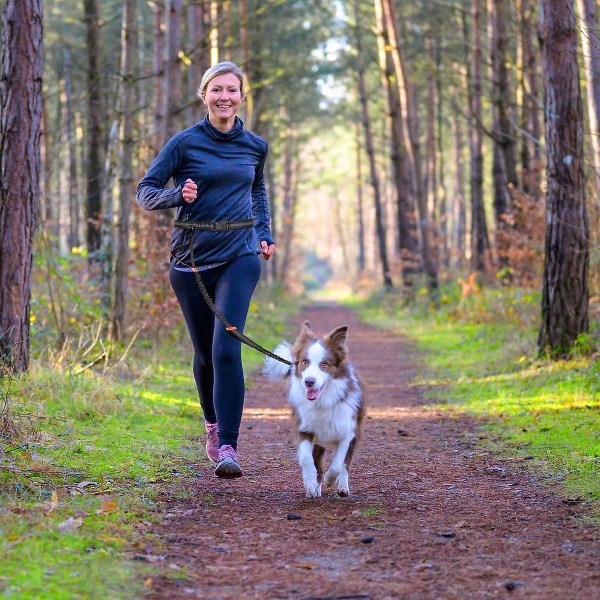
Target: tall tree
[[94, 133], [502, 134], [591, 44], [126, 192], [364, 103], [565, 282], [530, 112], [407, 94], [20, 132], [407, 225], [479, 234]]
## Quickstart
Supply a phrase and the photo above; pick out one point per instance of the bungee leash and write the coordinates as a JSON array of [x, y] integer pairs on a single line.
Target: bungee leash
[[218, 226]]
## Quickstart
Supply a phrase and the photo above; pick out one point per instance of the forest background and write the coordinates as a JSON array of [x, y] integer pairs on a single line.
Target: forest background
[[435, 161]]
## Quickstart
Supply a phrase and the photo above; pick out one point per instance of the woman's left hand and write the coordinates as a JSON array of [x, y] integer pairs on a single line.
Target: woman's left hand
[[267, 251]]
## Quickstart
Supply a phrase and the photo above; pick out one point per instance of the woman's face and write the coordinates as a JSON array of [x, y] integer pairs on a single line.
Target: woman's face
[[223, 97]]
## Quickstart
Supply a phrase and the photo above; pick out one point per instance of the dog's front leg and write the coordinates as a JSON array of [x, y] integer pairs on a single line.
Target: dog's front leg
[[337, 464], [309, 470]]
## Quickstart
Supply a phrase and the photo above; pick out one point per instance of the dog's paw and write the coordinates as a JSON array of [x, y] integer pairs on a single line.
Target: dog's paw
[[331, 477], [343, 491], [313, 491]]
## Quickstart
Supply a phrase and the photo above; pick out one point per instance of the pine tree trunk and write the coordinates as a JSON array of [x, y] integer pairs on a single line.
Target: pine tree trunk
[[126, 188], [591, 45], [160, 78], [407, 95], [565, 283], [20, 132], [503, 135], [362, 90], [530, 117], [173, 67], [95, 121], [73, 236], [460, 216], [288, 205], [479, 234], [407, 226], [360, 204]]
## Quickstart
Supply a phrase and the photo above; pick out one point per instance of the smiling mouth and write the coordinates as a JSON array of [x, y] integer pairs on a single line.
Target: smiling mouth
[[313, 393]]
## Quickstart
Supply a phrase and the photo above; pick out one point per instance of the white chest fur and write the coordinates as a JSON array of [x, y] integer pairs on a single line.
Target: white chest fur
[[332, 417]]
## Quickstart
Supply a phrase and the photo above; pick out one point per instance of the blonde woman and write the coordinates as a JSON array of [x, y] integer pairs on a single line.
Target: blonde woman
[[217, 168]]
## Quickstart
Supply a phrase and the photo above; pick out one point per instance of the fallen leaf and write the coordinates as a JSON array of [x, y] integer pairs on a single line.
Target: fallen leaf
[[107, 506], [70, 524]]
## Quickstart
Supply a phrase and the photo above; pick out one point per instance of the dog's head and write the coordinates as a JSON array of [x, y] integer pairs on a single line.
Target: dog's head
[[316, 362]]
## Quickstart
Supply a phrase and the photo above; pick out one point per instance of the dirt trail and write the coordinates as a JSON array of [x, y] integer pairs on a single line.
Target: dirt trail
[[429, 516]]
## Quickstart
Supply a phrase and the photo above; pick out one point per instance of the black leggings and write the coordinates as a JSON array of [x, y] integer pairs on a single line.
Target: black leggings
[[217, 354]]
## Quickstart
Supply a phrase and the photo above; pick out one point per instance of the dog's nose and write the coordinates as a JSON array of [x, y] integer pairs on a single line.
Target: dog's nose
[[310, 382]]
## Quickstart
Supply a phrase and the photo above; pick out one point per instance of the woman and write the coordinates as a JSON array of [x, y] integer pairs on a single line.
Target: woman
[[217, 167]]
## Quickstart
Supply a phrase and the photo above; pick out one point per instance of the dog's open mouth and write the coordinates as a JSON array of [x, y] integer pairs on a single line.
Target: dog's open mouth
[[313, 393]]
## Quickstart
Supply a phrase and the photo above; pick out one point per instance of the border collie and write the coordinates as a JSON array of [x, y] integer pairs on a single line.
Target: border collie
[[327, 401]]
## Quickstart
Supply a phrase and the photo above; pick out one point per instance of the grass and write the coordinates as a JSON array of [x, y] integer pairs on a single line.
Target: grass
[[80, 474], [479, 358]]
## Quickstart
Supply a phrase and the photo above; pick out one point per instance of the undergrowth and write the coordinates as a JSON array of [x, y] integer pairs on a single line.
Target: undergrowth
[[87, 452], [480, 357]]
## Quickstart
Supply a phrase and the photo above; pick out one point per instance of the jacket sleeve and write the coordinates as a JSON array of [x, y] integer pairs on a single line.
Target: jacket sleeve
[[260, 204], [151, 194]]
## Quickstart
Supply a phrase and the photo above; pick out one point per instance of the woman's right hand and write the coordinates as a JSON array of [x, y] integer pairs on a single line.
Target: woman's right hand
[[189, 191]]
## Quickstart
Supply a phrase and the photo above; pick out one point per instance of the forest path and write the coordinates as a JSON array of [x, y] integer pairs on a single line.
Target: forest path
[[429, 517]]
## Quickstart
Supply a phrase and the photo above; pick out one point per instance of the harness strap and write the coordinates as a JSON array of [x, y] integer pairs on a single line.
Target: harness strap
[[231, 329]]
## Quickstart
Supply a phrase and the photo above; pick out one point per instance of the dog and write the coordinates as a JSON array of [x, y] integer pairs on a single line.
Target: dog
[[327, 401]]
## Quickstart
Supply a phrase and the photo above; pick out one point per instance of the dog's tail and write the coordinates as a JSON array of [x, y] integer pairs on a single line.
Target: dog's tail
[[276, 370]]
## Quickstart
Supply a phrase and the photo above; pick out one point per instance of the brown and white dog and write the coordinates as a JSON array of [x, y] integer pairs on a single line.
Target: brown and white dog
[[327, 401]]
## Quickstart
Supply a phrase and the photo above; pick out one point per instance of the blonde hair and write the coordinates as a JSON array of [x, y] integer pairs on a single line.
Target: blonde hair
[[220, 69]]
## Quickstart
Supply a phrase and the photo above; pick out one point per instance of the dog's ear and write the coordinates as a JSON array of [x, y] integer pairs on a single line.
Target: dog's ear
[[337, 337], [306, 330]]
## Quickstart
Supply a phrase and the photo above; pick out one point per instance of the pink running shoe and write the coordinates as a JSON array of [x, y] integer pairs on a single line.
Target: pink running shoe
[[212, 441], [228, 466]]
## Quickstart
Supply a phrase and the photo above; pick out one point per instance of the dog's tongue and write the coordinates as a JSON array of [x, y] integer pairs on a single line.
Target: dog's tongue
[[312, 393]]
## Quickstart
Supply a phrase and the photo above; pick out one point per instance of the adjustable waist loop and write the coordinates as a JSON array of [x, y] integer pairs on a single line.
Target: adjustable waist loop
[[214, 225]]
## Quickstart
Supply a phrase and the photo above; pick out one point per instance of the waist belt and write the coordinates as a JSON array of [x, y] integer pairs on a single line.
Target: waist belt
[[214, 225]]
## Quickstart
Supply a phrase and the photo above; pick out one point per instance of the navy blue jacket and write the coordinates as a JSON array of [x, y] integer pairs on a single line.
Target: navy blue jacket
[[228, 170]]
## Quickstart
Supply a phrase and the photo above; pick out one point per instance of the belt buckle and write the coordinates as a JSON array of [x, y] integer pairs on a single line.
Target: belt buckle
[[221, 225]]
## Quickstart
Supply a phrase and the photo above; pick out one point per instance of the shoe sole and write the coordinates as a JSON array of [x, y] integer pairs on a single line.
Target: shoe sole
[[228, 469]]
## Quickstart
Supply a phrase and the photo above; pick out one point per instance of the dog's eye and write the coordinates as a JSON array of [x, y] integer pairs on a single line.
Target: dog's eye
[[304, 362], [324, 365]]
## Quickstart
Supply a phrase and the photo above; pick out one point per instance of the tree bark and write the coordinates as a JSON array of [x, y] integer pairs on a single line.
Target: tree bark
[[460, 215], [94, 134], [479, 234], [565, 293], [591, 44], [360, 213], [407, 95], [289, 192], [503, 135], [160, 81], [362, 90], [408, 239], [126, 188], [20, 132], [73, 235], [173, 75], [530, 113]]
